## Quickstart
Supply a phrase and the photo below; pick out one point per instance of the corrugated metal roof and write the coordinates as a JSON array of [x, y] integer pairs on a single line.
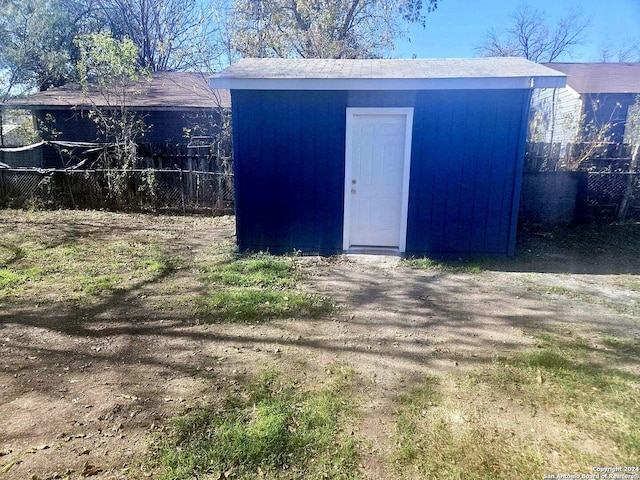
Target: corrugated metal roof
[[170, 90], [601, 77], [511, 72]]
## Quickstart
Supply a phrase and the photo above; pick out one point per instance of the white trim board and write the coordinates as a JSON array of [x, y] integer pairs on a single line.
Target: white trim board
[[473, 83], [351, 113]]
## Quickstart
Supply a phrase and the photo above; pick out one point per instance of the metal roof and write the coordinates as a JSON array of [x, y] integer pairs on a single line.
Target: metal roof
[[166, 91], [601, 77], [386, 74]]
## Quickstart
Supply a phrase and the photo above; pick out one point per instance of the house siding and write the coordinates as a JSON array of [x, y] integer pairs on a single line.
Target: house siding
[[74, 125], [608, 108], [576, 114], [66, 125], [467, 155], [555, 115]]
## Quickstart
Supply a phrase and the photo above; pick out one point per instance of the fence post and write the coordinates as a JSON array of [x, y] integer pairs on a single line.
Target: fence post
[[182, 192], [631, 180], [220, 192]]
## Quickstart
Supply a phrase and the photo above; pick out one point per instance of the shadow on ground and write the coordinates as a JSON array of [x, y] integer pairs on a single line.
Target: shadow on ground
[[134, 356]]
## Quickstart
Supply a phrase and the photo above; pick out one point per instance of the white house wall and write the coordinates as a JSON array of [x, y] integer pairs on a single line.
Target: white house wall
[[555, 115], [632, 127]]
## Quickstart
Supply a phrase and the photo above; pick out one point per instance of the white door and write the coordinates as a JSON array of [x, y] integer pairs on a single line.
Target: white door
[[378, 147]]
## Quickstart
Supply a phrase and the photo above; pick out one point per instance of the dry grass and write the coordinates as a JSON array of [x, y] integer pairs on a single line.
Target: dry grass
[[117, 303]]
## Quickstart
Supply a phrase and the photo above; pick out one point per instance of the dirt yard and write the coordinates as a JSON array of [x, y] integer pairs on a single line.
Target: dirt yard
[[85, 380]]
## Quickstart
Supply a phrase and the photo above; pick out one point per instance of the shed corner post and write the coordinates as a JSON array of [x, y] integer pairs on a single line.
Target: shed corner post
[[2, 130], [235, 155], [517, 181]]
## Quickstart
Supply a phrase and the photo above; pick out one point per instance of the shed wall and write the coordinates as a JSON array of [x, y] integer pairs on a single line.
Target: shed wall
[[289, 170], [467, 153]]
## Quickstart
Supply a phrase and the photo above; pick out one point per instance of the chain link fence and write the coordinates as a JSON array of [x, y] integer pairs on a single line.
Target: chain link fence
[[117, 189], [606, 192]]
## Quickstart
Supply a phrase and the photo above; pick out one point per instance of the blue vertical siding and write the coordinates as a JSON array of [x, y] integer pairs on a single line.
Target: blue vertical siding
[[466, 156], [289, 166], [466, 165], [517, 178]]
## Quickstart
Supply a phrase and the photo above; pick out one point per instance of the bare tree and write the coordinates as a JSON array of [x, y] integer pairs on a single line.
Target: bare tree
[[627, 51], [323, 28], [529, 35], [170, 34]]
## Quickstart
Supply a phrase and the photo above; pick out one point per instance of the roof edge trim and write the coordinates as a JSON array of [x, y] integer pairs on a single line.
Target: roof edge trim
[[478, 83]]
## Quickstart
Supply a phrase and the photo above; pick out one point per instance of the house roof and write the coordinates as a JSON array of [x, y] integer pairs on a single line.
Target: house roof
[[378, 74], [601, 77], [166, 91]]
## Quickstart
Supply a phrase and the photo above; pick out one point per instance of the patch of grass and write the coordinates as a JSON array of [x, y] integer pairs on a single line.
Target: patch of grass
[[597, 400], [446, 266], [250, 305], [255, 289], [96, 285], [274, 430], [9, 253], [632, 308], [629, 282], [9, 279], [623, 346], [559, 290], [440, 436], [262, 270], [78, 271], [156, 264], [170, 289], [455, 431]]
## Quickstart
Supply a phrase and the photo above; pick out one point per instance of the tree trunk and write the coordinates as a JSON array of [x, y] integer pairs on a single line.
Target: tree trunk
[[631, 181]]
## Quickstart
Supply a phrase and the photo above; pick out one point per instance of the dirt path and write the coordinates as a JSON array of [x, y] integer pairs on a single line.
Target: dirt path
[[80, 389], [399, 325]]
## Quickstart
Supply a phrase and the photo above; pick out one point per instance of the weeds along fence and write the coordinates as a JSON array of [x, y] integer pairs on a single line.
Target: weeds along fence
[[604, 157], [151, 190]]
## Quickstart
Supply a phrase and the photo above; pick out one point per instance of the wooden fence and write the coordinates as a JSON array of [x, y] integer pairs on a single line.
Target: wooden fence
[[200, 154]]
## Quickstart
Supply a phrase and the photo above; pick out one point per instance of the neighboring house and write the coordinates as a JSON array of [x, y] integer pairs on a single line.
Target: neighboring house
[[10, 135], [171, 105], [417, 157], [596, 95], [16, 130]]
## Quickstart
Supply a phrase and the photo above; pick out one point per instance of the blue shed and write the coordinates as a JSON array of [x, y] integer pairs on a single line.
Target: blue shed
[[419, 157]]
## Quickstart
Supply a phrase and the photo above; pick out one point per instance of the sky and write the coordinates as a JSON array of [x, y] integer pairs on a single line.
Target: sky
[[456, 27]]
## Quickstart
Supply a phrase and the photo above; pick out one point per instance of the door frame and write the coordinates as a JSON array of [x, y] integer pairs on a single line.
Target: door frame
[[351, 113]]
